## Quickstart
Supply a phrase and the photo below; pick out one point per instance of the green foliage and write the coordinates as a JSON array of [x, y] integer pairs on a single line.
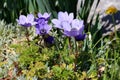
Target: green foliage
[[11, 9], [8, 32], [27, 52], [62, 73], [95, 58], [37, 62], [8, 60], [84, 12]]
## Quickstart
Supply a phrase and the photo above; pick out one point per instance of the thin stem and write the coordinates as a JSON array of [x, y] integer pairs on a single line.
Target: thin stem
[[75, 53], [69, 42], [97, 42], [113, 19], [27, 36]]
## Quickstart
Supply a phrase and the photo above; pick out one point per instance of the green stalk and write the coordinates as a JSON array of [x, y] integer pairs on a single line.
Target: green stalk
[[113, 19], [75, 53], [27, 36], [69, 42]]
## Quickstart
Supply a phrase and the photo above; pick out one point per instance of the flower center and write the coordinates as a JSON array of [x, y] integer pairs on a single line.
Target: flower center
[[43, 31]]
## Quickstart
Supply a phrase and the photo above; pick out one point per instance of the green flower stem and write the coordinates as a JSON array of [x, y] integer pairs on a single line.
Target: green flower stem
[[113, 19], [75, 53], [27, 36], [69, 42]]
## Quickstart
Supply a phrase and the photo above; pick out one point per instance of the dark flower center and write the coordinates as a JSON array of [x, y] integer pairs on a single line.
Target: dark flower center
[[43, 31]]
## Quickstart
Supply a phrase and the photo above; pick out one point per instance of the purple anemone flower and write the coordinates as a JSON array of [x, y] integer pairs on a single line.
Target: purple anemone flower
[[42, 18], [64, 20], [42, 29], [42, 26], [26, 21], [72, 27], [76, 28], [45, 16]]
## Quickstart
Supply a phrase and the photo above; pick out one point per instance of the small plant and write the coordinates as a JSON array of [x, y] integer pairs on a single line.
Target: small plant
[[60, 47]]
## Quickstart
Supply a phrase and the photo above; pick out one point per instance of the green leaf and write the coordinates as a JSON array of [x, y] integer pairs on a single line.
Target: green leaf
[[31, 7]]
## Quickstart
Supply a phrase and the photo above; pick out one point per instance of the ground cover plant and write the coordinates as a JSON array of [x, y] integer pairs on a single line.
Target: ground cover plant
[[54, 42]]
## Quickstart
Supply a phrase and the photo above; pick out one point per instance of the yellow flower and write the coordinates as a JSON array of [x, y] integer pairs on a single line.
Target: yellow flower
[[111, 10]]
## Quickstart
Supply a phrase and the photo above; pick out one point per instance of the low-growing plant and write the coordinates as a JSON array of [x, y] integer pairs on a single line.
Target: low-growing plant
[[39, 48]]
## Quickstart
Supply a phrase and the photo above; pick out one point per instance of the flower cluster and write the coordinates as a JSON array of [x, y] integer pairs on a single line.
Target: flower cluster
[[41, 23], [71, 27]]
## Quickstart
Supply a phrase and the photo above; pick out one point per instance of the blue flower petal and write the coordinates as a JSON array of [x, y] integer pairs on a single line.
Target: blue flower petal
[[49, 39], [80, 37]]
